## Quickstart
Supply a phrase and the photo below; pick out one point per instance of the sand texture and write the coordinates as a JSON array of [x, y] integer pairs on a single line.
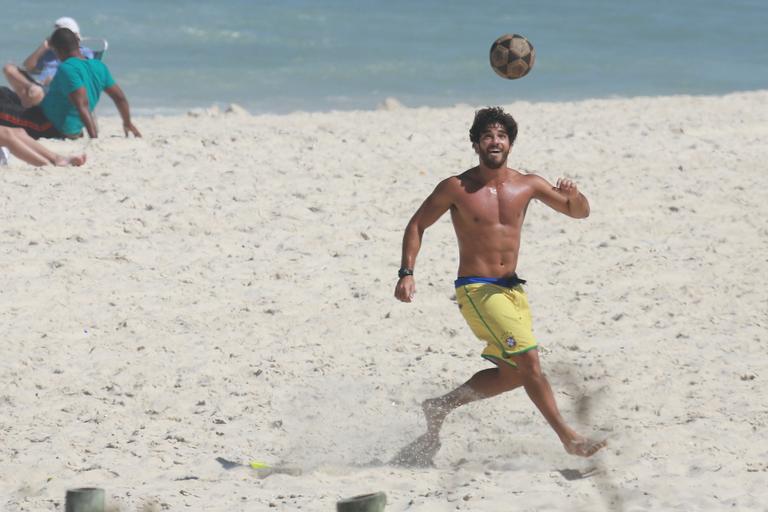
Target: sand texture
[[223, 288]]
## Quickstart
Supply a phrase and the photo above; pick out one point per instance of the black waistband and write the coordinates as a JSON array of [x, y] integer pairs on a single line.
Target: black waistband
[[507, 282]]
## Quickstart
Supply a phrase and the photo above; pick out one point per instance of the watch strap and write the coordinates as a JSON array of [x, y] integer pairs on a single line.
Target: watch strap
[[404, 272]]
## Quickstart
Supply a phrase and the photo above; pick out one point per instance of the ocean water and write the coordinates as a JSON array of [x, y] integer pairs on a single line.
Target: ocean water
[[321, 55]]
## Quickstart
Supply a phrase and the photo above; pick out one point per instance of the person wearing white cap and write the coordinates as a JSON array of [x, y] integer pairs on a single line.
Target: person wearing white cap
[[66, 110], [67, 22], [30, 81]]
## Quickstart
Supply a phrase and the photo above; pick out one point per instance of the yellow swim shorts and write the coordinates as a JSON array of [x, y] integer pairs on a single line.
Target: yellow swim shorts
[[497, 312]]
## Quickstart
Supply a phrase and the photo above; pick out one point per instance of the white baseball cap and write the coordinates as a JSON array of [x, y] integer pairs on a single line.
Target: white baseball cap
[[67, 22]]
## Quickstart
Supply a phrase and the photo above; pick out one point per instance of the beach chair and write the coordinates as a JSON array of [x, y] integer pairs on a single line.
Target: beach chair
[[97, 44]]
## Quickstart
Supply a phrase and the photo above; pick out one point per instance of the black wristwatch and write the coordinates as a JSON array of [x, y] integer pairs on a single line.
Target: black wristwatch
[[404, 272]]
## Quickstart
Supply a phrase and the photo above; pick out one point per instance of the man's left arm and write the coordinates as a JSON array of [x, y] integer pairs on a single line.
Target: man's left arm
[[564, 197], [121, 102]]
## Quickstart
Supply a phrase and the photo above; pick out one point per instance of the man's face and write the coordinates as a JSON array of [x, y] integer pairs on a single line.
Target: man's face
[[493, 146]]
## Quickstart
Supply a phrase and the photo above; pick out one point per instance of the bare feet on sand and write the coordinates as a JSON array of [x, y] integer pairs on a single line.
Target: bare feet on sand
[[421, 451], [584, 447], [75, 161], [418, 453]]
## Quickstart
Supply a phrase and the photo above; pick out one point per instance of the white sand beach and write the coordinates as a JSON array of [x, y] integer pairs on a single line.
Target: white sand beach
[[223, 287]]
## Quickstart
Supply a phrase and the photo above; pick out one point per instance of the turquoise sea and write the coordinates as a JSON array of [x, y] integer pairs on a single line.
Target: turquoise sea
[[338, 55]]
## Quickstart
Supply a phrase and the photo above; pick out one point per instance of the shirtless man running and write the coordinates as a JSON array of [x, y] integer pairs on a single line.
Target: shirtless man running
[[488, 205]]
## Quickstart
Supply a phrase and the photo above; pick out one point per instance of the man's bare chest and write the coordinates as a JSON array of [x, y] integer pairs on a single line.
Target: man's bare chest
[[505, 205]]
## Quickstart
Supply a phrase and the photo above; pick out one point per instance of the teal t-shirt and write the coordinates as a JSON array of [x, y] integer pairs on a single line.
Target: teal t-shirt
[[73, 74]]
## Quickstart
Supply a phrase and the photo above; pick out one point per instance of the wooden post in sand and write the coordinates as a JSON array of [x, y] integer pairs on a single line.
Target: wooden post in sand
[[366, 503], [86, 499]]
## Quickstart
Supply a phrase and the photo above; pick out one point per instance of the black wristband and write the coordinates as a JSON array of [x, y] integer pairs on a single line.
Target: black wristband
[[404, 272]]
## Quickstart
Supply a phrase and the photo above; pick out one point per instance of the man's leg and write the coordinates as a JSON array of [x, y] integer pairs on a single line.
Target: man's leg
[[24, 147], [539, 391], [484, 384], [11, 138], [30, 93]]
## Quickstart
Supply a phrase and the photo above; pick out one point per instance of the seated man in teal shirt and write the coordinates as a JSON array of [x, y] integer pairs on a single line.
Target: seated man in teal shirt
[[66, 109], [76, 89]]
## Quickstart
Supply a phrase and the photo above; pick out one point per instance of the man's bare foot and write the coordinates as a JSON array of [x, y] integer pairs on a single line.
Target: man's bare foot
[[75, 161], [418, 453], [584, 447]]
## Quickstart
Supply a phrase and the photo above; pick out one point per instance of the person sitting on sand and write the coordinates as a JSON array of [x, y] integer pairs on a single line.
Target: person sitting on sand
[[31, 81], [488, 204], [66, 109]]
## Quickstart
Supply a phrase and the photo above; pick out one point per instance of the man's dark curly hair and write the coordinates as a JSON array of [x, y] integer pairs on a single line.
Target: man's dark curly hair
[[489, 116], [64, 40]]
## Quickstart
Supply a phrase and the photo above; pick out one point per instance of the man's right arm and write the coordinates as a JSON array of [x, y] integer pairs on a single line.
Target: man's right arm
[[79, 98], [438, 202]]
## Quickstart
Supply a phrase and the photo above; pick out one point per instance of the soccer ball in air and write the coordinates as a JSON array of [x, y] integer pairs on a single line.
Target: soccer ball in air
[[512, 56]]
